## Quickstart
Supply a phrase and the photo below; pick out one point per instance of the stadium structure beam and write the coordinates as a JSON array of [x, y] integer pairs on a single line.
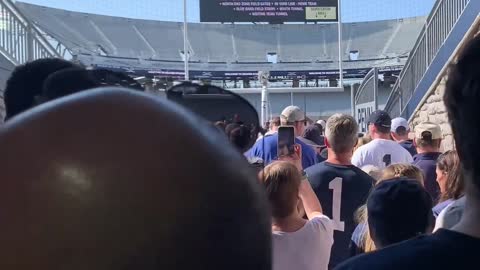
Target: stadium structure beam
[[186, 53], [340, 39], [288, 90]]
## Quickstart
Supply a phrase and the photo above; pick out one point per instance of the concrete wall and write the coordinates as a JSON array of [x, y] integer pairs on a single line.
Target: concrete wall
[[433, 108]]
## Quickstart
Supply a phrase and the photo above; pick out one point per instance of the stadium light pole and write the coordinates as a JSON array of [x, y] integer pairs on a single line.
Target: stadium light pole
[[186, 53], [340, 39]]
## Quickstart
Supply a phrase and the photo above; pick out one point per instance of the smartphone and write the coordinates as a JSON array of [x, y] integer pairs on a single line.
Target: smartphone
[[286, 141]]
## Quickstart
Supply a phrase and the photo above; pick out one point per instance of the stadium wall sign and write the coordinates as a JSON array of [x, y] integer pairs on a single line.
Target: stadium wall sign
[[272, 11], [358, 73], [362, 113]]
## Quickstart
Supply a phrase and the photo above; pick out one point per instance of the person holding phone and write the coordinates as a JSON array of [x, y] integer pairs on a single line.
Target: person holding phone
[[297, 243], [267, 148]]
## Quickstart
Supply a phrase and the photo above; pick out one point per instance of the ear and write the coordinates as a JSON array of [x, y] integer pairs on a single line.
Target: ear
[[326, 142], [415, 142]]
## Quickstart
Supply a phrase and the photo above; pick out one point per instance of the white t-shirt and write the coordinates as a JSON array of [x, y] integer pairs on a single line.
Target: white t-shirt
[[381, 153], [306, 249]]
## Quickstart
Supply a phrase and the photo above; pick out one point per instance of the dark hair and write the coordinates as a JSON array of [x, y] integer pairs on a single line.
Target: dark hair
[[275, 121], [401, 131], [462, 96], [382, 129], [282, 182], [25, 84], [427, 140], [398, 209], [454, 186], [66, 82], [240, 137], [320, 127], [217, 194]]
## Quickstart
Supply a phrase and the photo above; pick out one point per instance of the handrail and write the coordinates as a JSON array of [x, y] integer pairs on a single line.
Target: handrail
[[20, 41], [437, 29], [365, 83]]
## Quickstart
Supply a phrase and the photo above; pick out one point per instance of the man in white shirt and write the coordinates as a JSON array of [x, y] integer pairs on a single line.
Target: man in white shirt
[[382, 151]]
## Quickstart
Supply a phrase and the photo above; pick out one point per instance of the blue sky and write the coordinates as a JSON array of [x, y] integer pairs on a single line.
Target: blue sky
[[172, 10]]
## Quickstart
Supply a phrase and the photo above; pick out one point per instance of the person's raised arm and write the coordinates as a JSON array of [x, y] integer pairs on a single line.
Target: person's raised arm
[[312, 205]]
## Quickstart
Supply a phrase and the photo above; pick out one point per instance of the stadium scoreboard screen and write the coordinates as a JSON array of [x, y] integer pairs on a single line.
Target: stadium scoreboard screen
[[272, 11]]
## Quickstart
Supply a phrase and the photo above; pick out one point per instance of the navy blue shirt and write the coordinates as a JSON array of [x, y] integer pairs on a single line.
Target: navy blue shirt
[[358, 237], [442, 250], [408, 145], [266, 149], [427, 162], [341, 190]]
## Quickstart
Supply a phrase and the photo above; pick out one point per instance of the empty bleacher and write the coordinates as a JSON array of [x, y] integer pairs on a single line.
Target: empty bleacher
[[404, 40], [227, 43], [369, 38], [167, 43]]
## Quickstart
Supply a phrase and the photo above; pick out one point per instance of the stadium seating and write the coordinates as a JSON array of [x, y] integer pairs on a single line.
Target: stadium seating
[[214, 43]]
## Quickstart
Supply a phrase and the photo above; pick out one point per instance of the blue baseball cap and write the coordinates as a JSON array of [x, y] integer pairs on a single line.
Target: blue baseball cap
[[380, 118], [399, 209]]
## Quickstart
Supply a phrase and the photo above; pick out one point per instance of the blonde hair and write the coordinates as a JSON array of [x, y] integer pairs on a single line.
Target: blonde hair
[[403, 170], [281, 181], [393, 171], [362, 141], [373, 171], [341, 131]]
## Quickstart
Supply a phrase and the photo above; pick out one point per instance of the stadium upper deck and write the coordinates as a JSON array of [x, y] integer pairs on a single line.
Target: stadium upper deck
[[226, 47]]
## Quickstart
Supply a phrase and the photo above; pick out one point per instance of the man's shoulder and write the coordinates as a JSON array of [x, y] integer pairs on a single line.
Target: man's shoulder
[[300, 141], [393, 147], [317, 169], [370, 147], [306, 149], [267, 140], [325, 168], [412, 254], [424, 163]]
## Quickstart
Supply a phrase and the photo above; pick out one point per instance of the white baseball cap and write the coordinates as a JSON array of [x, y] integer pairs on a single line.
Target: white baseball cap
[[399, 122], [322, 123], [292, 114], [428, 129]]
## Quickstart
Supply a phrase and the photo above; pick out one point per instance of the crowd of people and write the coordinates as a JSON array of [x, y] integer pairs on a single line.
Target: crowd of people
[[112, 178], [379, 189]]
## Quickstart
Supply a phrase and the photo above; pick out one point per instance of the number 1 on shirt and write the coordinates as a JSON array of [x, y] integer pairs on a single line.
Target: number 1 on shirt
[[336, 185]]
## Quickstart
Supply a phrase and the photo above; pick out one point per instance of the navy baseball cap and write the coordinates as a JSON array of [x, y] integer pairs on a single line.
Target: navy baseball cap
[[314, 134], [380, 118], [399, 209]]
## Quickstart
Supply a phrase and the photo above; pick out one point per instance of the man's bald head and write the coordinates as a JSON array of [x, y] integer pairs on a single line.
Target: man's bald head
[[104, 180]]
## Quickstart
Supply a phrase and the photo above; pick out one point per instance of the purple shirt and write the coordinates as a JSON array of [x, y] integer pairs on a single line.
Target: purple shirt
[[427, 162]]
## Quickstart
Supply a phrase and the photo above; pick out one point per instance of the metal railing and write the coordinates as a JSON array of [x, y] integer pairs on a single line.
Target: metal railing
[[439, 24], [366, 99], [20, 41]]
